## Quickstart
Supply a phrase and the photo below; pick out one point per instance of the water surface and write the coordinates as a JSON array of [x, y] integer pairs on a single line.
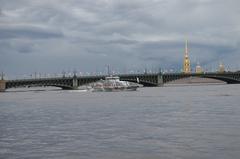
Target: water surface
[[162, 122]]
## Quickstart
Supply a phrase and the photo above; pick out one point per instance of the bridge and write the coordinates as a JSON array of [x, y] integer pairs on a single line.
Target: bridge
[[148, 80]]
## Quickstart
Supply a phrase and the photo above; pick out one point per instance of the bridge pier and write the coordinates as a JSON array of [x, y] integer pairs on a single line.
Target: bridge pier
[[75, 82], [2, 85], [160, 80]]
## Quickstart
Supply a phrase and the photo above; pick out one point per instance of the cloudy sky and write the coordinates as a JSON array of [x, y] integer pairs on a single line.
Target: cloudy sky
[[87, 35]]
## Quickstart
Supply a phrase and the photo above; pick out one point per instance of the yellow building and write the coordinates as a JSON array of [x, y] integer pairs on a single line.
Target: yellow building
[[186, 62]]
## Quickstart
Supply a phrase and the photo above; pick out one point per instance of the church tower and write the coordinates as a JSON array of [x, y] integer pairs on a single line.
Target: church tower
[[186, 62], [221, 68], [199, 69]]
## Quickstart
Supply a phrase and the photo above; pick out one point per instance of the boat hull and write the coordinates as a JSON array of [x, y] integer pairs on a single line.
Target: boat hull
[[115, 89]]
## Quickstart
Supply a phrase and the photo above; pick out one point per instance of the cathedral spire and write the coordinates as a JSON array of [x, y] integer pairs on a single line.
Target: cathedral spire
[[186, 62], [186, 48]]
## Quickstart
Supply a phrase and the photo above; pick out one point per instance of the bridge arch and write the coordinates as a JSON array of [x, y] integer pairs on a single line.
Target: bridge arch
[[65, 87], [194, 80], [228, 80], [61, 83]]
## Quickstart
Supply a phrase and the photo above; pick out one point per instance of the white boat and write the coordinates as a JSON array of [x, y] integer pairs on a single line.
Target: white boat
[[113, 84]]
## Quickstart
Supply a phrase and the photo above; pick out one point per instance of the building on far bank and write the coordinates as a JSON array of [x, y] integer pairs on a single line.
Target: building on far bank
[[199, 68], [221, 68]]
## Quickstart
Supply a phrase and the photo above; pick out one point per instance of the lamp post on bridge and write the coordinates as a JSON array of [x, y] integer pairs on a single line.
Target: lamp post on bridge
[[160, 77], [63, 74], [75, 80], [2, 76]]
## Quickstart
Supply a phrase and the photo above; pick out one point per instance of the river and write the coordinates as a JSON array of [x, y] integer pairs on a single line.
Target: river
[[175, 122]]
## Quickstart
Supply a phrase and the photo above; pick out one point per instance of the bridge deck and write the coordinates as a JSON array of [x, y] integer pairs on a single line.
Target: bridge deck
[[157, 79]]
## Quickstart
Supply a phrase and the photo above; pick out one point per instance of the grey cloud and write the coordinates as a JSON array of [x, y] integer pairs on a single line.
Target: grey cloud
[[27, 32], [137, 33], [124, 41]]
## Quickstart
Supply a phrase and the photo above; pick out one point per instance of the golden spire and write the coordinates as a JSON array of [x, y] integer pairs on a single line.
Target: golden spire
[[186, 62], [186, 48]]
